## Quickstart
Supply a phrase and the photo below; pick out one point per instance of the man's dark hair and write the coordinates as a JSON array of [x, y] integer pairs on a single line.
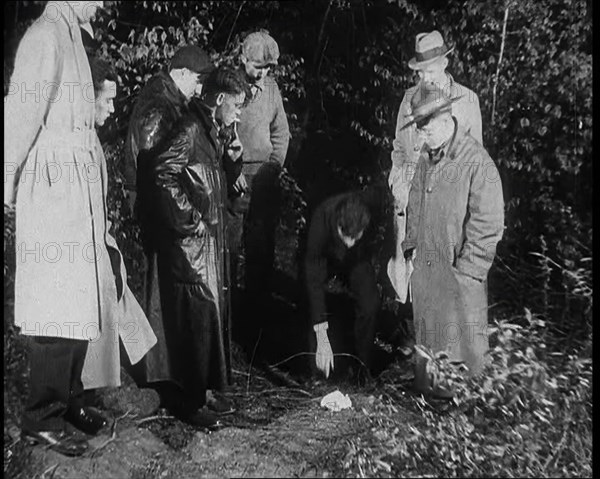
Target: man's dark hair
[[101, 71], [353, 215], [225, 80]]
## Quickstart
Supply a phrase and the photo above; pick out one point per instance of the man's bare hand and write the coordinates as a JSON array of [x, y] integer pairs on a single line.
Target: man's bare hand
[[324, 357], [240, 185]]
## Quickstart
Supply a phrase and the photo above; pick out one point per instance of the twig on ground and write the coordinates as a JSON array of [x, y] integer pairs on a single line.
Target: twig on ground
[[304, 353], [153, 418], [51, 469], [113, 433], [558, 450], [283, 389], [257, 376], [252, 361]]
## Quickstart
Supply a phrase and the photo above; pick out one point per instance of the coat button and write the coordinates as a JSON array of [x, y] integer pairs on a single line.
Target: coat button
[[417, 148], [429, 190], [428, 263]]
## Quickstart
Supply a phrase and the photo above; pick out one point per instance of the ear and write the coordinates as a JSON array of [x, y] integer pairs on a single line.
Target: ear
[[445, 62], [220, 99]]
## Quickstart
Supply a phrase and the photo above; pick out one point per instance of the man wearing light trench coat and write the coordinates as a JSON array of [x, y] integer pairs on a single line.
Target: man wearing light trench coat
[[122, 320], [51, 174]]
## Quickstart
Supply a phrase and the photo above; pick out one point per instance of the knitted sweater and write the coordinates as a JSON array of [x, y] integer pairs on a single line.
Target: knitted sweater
[[263, 128]]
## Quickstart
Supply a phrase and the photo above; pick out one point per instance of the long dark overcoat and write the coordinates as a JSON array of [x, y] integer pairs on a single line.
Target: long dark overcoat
[[455, 220], [158, 108], [189, 214]]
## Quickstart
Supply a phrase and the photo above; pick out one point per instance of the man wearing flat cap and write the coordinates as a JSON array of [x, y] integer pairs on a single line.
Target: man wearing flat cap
[[263, 130], [430, 62], [160, 105], [455, 218]]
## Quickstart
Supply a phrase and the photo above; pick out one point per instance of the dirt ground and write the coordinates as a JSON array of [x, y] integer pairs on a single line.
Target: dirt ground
[[276, 432]]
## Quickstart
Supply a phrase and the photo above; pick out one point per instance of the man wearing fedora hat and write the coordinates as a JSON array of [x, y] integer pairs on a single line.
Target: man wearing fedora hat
[[455, 218], [430, 62]]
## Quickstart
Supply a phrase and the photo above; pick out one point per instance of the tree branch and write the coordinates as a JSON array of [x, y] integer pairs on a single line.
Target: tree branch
[[237, 15], [313, 72], [506, 8], [321, 33]]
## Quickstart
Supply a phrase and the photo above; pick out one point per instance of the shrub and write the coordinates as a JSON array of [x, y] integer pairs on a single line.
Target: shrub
[[529, 414]]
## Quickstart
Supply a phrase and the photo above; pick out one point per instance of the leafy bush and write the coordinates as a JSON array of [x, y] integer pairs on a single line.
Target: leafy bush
[[529, 414]]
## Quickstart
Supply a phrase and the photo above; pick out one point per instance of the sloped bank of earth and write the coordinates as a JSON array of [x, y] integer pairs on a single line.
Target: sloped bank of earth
[[276, 432]]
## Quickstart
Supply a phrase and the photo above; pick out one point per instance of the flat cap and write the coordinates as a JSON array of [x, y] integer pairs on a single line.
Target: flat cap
[[261, 48], [193, 58]]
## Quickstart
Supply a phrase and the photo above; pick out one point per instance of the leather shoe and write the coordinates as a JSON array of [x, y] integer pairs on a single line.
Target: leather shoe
[[62, 442], [218, 405], [200, 418], [86, 419]]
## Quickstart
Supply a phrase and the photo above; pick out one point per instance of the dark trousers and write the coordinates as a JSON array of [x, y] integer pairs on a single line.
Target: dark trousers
[[252, 225], [259, 229], [352, 324], [54, 382]]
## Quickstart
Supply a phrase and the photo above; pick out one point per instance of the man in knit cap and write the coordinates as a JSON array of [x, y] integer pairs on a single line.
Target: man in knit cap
[[263, 130]]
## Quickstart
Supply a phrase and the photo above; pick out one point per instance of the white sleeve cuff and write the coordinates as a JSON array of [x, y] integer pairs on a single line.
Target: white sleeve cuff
[[321, 327]]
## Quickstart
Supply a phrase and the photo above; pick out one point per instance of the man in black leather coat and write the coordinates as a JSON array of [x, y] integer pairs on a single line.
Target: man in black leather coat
[[160, 104], [189, 191]]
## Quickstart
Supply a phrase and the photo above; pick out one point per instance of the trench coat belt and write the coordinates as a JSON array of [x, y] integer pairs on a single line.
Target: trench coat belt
[[59, 138]]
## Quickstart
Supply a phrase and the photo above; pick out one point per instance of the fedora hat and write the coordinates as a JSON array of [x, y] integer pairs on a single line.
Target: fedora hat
[[428, 102], [428, 48]]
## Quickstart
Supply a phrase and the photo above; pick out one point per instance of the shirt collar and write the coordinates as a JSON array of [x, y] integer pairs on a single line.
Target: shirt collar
[[438, 154]]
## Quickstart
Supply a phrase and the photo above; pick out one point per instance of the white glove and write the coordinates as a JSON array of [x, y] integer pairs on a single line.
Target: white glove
[[324, 358]]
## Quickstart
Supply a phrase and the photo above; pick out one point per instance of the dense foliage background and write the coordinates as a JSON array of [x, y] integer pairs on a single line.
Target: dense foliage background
[[343, 72]]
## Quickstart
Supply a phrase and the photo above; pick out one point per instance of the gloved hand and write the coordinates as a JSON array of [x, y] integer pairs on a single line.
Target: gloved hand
[[324, 357], [408, 253]]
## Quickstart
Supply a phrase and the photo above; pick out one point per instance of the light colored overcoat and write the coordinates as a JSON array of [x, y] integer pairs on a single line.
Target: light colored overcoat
[[122, 317], [52, 169], [407, 148], [455, 220]]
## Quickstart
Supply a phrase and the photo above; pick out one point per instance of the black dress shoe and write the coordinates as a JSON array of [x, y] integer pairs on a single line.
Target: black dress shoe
[[201, 418], [86, 419], [218, 405], [59, 441]]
